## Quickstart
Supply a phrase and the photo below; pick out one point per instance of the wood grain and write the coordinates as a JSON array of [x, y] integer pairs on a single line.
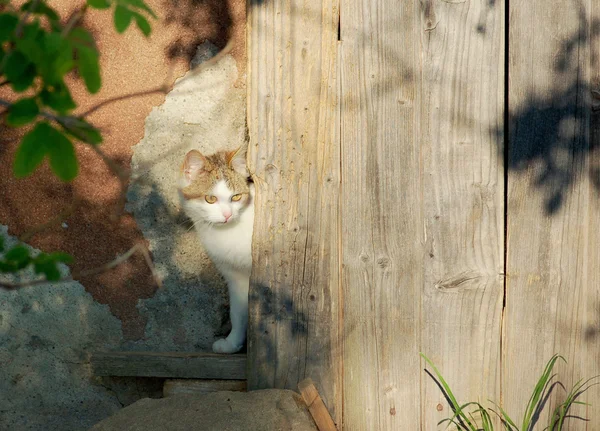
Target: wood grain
[[552, 303], [423, 240], [315, 405], [194, 386], [381, 214], [294, 158], [169, 365], [461, 135]]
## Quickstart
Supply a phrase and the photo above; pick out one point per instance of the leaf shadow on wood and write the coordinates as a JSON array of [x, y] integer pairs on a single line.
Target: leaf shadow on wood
[[481, 26], [276, 311], [548, 135], [277, 317]]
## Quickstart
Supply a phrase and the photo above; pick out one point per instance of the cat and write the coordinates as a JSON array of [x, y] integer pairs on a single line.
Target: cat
[[218, 196]]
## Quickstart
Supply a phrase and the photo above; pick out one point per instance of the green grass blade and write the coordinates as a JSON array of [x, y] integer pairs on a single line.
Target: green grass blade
[[508, 422], [462, 411], [486, 420], [561, 412], [538, 392], [458, 412]]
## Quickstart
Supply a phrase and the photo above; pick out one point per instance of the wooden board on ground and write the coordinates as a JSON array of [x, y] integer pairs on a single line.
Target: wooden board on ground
[[194, 386], [315, 405], [294, 159], [553, 265], [170, 365]]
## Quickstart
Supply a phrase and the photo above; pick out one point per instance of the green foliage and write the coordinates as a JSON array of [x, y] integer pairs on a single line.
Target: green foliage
[[44, 140], [18, 258], [22, 112], [466, 420], [37, 52], [128, 10]]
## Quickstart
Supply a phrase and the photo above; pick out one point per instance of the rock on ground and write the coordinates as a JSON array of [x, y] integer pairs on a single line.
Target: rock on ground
[[265, 410], [46, 335]]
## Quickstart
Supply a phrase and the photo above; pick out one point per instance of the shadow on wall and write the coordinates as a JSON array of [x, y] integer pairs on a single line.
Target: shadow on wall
[[191, 310], [114, 287], [549, 133], [214, 16]]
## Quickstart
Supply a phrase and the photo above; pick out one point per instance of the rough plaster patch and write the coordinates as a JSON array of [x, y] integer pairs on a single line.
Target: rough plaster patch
[[204, 111], [46, 335]]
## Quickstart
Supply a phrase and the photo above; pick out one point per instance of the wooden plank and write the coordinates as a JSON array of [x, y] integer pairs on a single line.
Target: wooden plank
[[381, 216], [294, 158], [315, 405], [553, 260], [170, 365], [193, 386], [423, 227], [461, 131]]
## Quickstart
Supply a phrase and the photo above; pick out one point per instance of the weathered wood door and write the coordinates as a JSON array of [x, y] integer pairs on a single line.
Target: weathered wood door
[[428, 181]]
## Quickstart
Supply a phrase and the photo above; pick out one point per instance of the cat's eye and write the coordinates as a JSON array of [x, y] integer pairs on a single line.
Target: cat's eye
[[210, 199], [236, 198]]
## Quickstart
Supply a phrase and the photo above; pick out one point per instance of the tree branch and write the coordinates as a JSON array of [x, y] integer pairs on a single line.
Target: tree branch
[[73, 21], [139, 248], [25, 16], [163, 89]]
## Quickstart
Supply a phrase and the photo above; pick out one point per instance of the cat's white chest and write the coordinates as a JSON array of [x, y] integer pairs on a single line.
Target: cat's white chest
[[230, 245]]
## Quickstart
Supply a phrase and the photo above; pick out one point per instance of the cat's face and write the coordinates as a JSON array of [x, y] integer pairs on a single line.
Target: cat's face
[[215, 188]]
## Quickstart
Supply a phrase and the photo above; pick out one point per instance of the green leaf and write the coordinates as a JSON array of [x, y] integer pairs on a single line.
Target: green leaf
[[456, 407], [59, 256], [143, 24], [8, 267], [1, 244], [62, 155], [18, 254], [22, 112], [49, 269], [539, 390], [32, 151], [58, 58], [122, 18], [87, 58], [19, 71], [140, 4], [58, 98], [89, 68], [80, 36], [83, 131], [99, 4], [40, 8], [31, 43], [8, 25]]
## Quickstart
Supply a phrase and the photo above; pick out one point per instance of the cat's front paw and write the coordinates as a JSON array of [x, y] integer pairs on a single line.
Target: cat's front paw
[[225, 346]]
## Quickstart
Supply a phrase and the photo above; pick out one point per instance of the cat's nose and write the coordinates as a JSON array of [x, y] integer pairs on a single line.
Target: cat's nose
[[227, 217]]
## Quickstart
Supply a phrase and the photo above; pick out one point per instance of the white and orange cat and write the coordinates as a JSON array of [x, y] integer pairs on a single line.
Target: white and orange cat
[[218, 196]]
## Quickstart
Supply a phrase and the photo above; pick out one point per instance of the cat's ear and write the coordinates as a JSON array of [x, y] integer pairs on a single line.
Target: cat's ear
[[237, 160], [193, 166]]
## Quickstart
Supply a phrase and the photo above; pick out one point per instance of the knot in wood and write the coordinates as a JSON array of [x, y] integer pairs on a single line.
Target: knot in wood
[[383, 262]]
